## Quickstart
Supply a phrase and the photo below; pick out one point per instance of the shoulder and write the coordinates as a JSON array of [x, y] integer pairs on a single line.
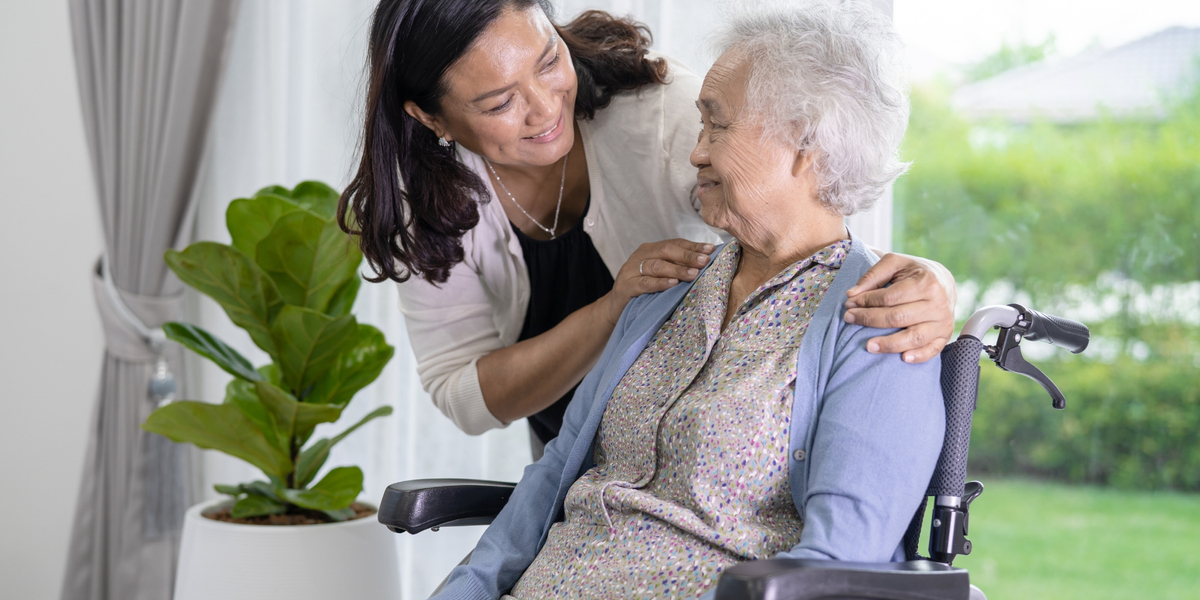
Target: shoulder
[[859, 260], [650, 310], [832, 306], [850, 357], [844, 345]]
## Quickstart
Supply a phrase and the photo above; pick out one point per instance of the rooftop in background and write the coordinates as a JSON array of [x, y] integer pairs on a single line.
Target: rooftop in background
[[1128, 81]]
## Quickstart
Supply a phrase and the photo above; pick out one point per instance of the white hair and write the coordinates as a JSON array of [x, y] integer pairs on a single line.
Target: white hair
[[827, 77]]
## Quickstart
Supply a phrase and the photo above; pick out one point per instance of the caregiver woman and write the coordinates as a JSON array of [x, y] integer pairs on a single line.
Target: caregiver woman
[[516, 178]]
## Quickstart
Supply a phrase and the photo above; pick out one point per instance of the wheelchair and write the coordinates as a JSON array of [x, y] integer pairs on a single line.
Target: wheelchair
[[418, 505]]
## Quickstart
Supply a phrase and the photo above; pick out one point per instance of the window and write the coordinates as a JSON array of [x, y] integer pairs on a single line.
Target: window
[[1055, 151]]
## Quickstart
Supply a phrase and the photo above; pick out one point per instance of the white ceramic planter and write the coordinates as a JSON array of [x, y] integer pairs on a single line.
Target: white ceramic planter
[[227, 561]]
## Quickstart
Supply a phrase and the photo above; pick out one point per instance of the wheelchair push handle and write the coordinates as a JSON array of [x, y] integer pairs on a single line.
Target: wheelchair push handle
[[960, 391], [1032, 325], [1057, 331]]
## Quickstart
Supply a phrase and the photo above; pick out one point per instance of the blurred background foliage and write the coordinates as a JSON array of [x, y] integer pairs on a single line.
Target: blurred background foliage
[[1098, 221]]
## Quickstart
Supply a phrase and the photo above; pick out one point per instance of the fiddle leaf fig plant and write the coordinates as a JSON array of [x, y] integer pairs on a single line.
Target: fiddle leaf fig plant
[[289, 279]]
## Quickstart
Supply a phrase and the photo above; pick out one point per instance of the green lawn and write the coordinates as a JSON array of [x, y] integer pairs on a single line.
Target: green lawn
[[1036, 540]]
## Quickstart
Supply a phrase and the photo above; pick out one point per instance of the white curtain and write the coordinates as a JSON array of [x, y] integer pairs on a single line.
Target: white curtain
[[289, 111]]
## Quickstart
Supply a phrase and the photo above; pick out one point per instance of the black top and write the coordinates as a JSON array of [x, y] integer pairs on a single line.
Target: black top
[[565, 274]]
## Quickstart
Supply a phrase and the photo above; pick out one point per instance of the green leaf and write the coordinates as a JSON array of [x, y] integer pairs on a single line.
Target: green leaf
[[354, 369], [235, 282], [274, 190], [209, 346], [308, 258], [313, 458], [256, 506], [343, 298], [232, 490], [317, 197], [336, 490], [341, 514], [219, 427], [250, 219], [294, 418], [270, 372], [382, 411], [258, 488], [244, 395], [309, 344], [311, 195], [262, 488]]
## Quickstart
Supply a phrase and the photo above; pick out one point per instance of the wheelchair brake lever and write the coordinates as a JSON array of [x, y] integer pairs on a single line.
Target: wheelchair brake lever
[[950, 524], [1007, 355], [971, 491]]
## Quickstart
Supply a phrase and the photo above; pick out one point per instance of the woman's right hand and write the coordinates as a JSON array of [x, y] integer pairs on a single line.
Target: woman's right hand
[[654, 267]]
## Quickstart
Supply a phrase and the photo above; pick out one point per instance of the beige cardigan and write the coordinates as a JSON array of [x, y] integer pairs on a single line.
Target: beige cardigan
[[642, 190]]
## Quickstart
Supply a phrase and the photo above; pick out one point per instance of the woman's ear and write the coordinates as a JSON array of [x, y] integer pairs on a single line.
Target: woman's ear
[[426, 119], [802, 162]]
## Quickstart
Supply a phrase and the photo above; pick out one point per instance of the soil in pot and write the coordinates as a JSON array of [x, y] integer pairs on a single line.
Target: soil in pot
[[295, 516]]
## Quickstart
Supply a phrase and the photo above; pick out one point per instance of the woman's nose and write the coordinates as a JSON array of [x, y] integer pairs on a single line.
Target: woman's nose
[[699, 156], [542, 103]]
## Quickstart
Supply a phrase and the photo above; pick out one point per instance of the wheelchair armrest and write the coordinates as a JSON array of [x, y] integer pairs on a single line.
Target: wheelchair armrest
[[805, 579], [420, 504]]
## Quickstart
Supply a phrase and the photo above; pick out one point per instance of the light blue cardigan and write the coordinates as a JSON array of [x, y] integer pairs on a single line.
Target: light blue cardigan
[[866, 433]]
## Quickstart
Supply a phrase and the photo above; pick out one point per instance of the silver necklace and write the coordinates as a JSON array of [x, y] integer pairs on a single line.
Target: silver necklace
[[561, 185]]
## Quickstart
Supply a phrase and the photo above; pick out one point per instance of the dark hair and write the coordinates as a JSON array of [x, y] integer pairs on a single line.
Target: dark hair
[[411, 199]]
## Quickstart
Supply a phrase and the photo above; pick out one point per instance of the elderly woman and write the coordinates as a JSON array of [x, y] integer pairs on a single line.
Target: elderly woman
[[739, 417]]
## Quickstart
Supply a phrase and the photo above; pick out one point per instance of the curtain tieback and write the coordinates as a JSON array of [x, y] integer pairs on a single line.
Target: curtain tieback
[[132, 327]]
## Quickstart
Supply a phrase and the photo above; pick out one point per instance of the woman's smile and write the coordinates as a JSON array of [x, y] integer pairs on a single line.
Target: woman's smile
[[706, 182], [550, 135]]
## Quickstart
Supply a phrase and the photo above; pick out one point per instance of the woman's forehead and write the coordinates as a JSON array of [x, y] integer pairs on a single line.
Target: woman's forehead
[[503, 52], [724, 88]]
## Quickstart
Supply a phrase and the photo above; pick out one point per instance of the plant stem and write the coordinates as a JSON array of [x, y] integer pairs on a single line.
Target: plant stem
[[294, 450]]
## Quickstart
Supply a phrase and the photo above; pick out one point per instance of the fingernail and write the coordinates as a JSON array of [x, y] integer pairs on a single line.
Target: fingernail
[[693, 272], [872, 347], [849, 317], [709, 248], [703, 258], [852, 291], [672, 281], [909, 358], [851, 304]]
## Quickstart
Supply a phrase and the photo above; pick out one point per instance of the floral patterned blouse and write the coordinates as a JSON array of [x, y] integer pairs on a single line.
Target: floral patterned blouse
[[691, 457]]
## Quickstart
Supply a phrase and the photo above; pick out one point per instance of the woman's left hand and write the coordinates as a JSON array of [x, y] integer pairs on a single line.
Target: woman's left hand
[[920, 301]]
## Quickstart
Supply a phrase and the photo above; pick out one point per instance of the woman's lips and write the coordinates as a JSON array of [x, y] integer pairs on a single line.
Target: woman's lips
[[549, 136], [706, 183]]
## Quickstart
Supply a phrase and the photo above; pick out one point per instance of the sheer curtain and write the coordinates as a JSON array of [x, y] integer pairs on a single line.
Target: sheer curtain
[[289, 111]]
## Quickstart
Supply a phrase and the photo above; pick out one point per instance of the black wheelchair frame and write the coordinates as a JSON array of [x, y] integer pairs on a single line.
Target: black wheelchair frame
[[414, 506]]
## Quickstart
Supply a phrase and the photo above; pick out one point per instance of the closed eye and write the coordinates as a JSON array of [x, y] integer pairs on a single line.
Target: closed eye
[[500, 108]]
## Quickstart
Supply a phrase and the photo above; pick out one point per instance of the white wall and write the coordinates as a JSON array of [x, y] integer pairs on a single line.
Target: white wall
[[50, 339]]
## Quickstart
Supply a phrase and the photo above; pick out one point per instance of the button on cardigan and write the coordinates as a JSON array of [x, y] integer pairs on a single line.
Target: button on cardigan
[[642, 190]]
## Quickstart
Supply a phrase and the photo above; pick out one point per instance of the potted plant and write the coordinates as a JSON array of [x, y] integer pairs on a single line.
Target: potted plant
[[289, 279]]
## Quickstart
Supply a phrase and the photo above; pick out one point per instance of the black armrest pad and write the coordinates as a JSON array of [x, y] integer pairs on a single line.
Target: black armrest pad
[[417, 505], [801, 579]]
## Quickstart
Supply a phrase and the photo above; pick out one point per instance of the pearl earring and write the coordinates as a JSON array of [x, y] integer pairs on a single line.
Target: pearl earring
[[443, 143]]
